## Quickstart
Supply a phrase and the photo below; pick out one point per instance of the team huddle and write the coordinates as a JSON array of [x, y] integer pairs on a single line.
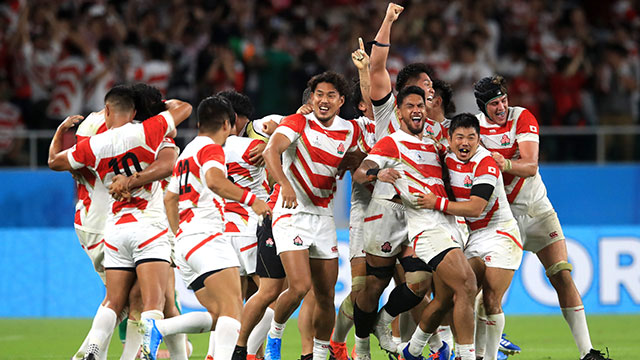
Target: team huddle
[[445, 207]]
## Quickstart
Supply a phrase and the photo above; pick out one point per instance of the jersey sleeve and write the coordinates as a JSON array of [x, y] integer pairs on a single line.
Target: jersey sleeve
[[384, 110], [246, 157], [212, 156], [157, 127], [486, 172], [174, 185], [384, 153], [81, 155], [357, 142], [527, 128], [168, 143], [292, 126]]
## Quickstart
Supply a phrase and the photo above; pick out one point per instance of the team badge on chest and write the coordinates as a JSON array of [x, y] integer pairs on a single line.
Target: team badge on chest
[[341, 149], [505, 141], [467, 182]]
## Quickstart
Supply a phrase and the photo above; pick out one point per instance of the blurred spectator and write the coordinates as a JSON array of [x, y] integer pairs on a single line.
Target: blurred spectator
[[11, 153], [566, 83], [526, 88], [67, 96], [155, 69]]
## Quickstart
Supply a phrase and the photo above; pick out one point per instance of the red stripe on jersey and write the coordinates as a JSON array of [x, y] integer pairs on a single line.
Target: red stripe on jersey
[[69, 69], [245, 248], [91, 247], [452, 165], [68, 84], [510, 237], [155, 129], [62, 97], [386, 147], [231, 227], [192, 196], [88, 176], [110, 246], [134, 202], [200, 244], [236, 169], [126, 218], [83, 195], [461, 192], [482, 223], [318, 155], [246, 157], [186, 215], [77, 219], [83, 153], [210, 152], [219, 207], [497, 130], [294, 122], [105, 165], [425, 170], [318, 181], [340, 135], [278, 219], [316, 200], [158, 78], [418, 146], [516, 190], [153, 238], [237, 208], [508, 153], [372, 218]]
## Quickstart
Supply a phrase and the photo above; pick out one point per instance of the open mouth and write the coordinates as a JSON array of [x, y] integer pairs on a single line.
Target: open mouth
[[465, 151], [416, 119], [502, 116], [430, 98], [324, 110]]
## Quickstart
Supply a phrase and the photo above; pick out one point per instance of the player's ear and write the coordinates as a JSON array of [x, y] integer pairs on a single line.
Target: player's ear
[[341, 100]]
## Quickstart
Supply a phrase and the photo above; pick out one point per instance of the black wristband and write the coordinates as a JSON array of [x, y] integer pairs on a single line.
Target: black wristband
[[373, 172], [378, 44]]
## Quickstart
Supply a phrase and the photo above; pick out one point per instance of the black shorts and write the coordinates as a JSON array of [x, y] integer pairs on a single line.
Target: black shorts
[[269, 264]]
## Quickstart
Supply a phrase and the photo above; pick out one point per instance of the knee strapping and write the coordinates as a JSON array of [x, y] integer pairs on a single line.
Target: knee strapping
[[357, 283], [416, 277], [381, 272], [557, 267]]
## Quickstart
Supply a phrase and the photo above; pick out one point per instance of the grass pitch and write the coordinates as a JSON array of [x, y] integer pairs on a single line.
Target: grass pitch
[[541, 337]]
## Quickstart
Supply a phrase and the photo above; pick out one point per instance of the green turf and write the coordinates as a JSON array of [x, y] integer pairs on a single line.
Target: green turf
[[541, 337]]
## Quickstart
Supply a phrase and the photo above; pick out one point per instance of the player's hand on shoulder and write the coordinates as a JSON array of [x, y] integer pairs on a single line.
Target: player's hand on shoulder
[[500, 160], [289, 200], [426, 201], [70, 122], [388, 175], [255, 155], [268, 127], [119, 188], [261, 208], [393, 11]]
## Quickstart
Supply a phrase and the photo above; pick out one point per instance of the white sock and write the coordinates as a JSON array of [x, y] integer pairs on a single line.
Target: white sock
[[226, 334], [481, 326], [465, 352], [407, 326], [495, 325], [191, 323], [152, 314], [435, 341], [276, 330], [396, 339], [418, 342], [212, 343], [577, 321], [344, 321], [445, 334], [259, 333], [82, 349], [103, 325], [320, 349], [384, 319], [105, 351], [363, 346], [132, 342], [177, 346]]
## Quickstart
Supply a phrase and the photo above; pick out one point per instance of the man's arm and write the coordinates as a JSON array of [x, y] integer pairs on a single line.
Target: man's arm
[[58, 160], [218, 182], [158, 170], [277, 144], [361, 61], [380, 79], [471, 209], [526, 166], [179, 110], [370, 171], [171, 207]]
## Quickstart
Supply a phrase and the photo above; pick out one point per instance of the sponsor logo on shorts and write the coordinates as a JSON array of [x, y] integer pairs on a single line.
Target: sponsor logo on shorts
[[553, 234], [341, 149], [487, 258], [505, 141], [269, 242], [467, 182], [334, 249], [297, 241], [386, 247]]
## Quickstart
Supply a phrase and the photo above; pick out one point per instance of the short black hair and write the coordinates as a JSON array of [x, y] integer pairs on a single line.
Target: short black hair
[[120, 98], [356, 96], [464, 120], [408, 91], [337, 80], [148, 101], [443, 90], [240, 103], [411, 71], [306, 95], [213, 111]]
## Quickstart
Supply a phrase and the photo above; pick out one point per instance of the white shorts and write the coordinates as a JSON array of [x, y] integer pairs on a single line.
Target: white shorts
[[385, 228], [300, 231], [434, 240], [198, 254], [127, 245], [463, 230], [540, 231], [498, 246], [246, 248], [93, 245], [356, 230]]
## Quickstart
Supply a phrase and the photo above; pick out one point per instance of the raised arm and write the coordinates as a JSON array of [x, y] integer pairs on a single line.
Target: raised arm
[[58, 160], [361, 61], [179, 110], [380, 79]]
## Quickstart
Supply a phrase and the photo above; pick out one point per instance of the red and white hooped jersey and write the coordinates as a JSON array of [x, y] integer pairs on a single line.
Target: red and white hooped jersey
[[92, 206], [201, 210], [167, 143], [361, 193], [125, 150], [418, 162], [240, 218], [155, 73], [67, 96], [521, 126], [311, 161], [480, 169]]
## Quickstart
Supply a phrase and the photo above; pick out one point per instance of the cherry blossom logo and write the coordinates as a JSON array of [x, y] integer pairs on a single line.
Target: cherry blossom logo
[[505, 141], [467, 182], [429, 130], [297, 241], [269, 243], [386, 247], [341, 149]]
